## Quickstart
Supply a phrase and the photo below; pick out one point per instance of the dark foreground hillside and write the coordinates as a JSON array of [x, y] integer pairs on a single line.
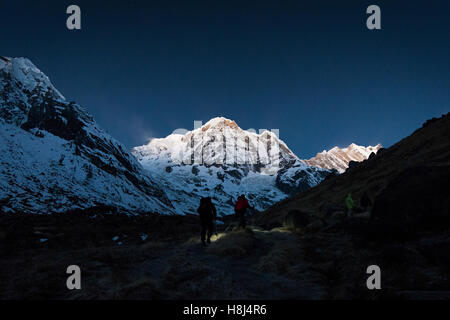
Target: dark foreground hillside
[[169, 264], [303, 248], [426, 148], [323, 260]]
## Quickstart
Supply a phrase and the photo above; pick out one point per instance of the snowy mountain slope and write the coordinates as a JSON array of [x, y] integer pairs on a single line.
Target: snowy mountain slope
[[55, 157], [339, 159], [221, 160], [21, 85]]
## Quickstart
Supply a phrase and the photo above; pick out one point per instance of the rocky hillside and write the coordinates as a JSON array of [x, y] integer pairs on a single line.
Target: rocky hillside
[[424, 155], [56, 158], [405, 230]]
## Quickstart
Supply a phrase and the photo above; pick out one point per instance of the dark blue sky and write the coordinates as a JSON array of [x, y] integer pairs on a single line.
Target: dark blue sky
[[309, 68]]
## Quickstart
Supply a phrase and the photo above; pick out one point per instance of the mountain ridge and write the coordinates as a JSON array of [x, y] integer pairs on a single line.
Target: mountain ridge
[[77, 162], [60, 159], [426, 147], [339, 158], [198, 163]]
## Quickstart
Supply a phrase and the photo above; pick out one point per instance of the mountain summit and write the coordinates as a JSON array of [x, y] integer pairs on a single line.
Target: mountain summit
[[221, 142], [221, 160]]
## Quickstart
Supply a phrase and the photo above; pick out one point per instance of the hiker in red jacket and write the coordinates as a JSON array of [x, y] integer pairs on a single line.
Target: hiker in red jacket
[[240, 208]]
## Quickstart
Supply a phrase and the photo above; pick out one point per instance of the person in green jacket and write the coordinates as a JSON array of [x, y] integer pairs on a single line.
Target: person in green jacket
[[349, 204]]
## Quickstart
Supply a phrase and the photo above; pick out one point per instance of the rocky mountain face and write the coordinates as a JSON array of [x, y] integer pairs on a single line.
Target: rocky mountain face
[[405, 227], [56, 158], [221, 160], [339, 159], [407, 179], [304, 247]]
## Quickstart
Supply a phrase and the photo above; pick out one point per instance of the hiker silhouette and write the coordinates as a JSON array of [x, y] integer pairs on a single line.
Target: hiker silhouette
[[207, 212], [240, 208]]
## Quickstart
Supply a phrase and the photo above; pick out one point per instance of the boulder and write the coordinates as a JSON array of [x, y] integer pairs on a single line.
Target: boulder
[[296, 219], [352, 164], [381, 151]]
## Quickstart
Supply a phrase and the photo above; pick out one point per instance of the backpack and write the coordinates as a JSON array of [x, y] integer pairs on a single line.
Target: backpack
[[241, 204], [206, 209]]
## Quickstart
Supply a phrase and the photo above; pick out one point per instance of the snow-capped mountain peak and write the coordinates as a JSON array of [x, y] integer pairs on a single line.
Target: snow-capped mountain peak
[[56, 157], [221, 160], [220, 141], [219, 122], [23, 71], [339, 158]]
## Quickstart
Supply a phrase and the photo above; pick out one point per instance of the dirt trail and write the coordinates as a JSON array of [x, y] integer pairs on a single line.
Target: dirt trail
[[237, 265], [118, 262], [170, 263]]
